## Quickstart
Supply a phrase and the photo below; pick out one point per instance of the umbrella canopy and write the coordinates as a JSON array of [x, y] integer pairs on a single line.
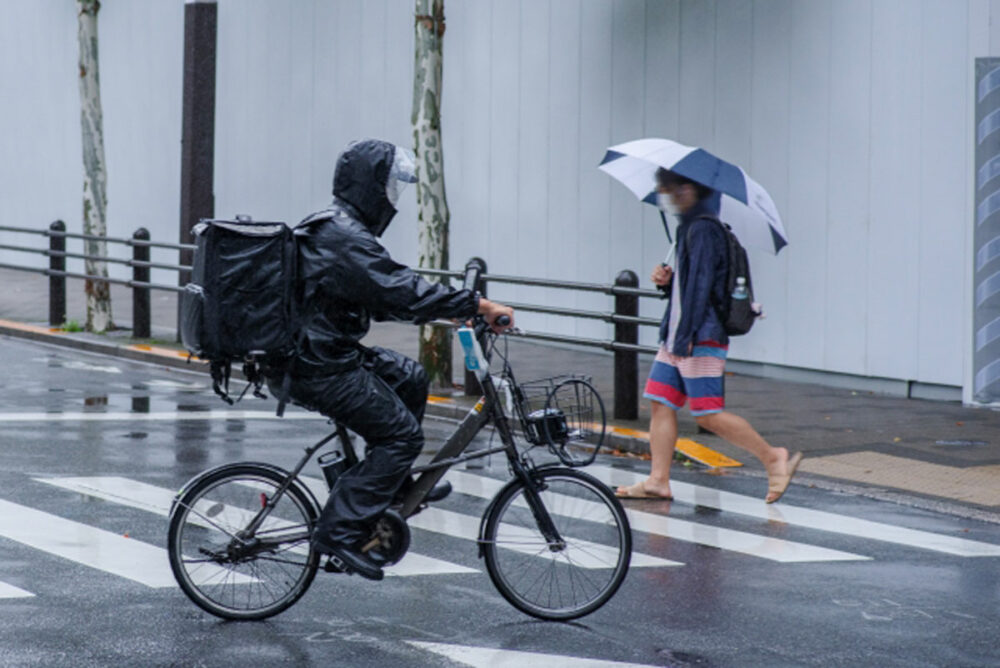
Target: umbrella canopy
[[744, 205]]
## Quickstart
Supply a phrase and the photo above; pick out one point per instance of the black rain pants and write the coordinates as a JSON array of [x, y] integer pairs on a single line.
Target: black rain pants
[[383, 401]]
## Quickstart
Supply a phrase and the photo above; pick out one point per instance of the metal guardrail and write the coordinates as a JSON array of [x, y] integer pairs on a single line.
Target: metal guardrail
[[624, 317]]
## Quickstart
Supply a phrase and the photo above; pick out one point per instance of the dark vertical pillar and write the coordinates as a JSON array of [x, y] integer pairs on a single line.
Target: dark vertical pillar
[[141, 327], [57, 283], [198, 123], [626, 362]]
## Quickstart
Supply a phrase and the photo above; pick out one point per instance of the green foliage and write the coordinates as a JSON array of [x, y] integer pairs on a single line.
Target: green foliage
[[71, 326]]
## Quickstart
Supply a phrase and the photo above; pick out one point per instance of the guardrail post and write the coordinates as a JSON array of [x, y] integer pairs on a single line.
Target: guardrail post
[[140, 295], [626, 362], [57, 283], [472, 387]]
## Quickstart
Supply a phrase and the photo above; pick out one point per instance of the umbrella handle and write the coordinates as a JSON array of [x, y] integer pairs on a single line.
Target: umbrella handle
[[666, 228]]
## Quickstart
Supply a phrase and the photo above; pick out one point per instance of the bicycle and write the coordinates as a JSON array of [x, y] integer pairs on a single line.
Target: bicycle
[[238, 538]]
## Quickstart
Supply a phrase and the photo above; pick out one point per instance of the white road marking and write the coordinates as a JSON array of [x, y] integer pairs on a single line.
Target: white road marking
[[775, 549], [466, 527], [488, 657], [87, 545], [806, 517], [157, 500], [10, 591], [169, 416]]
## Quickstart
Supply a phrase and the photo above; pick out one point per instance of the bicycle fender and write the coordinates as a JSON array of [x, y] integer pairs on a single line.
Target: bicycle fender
[[275, 469]]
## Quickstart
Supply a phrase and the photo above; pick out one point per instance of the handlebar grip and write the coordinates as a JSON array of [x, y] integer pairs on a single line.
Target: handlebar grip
[[473, 269], [502, 321]]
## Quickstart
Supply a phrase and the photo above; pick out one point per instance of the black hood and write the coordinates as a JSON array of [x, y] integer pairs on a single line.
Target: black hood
[[360, 178]]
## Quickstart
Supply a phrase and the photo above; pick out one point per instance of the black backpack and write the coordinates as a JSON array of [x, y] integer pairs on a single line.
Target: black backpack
[[240, 305], [736, 315]]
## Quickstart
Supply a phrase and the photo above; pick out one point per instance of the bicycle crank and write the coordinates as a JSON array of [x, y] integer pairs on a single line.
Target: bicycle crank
[[390, 539]]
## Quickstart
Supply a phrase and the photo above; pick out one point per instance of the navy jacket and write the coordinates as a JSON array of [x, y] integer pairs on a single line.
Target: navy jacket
[[701, 264]]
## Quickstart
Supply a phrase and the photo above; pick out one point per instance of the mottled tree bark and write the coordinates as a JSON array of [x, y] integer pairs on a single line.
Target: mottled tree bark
[[435, 342], [95, 198]]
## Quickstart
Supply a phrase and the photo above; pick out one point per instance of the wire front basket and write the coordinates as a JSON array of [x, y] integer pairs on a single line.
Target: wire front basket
[[564, 413]]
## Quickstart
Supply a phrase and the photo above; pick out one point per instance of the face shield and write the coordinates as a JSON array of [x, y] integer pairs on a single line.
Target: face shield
[[402, 172]]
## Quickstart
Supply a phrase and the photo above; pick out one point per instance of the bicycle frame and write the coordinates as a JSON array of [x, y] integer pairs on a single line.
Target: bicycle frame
[[488, 407]]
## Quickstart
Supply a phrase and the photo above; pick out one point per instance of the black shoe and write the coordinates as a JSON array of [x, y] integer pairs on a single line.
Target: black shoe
[[349, 558], [440, 491]]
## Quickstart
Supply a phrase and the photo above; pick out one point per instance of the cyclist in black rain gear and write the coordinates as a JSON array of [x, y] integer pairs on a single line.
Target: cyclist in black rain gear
[[348, 279]]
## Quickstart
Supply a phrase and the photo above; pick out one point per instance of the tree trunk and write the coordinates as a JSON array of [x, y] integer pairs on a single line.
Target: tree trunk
[[95, 198], [435, 342]]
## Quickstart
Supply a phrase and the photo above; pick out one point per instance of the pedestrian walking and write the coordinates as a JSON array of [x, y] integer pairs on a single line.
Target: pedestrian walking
[[690, 365]]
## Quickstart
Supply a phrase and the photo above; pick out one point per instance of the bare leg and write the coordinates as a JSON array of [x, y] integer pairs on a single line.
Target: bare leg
[[740, 433], [662, 439]]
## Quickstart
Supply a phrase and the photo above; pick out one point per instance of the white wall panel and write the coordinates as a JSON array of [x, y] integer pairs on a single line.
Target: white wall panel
[[563, 238], [768, 108], [534, 161], [846, 294], [854, 114], [662, 119], [697, 73], [593, 261], [944, 191], [808, 178], [627, 90], [894, 230], [733, 115]]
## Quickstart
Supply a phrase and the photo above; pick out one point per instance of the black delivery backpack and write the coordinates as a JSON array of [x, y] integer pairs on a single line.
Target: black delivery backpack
[[240, 303]]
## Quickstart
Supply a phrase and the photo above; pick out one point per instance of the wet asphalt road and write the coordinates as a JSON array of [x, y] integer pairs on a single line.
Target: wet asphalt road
[[877, 603]]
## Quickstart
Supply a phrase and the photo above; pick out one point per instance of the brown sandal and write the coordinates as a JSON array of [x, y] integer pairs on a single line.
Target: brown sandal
[[639, 491], [779, 483]]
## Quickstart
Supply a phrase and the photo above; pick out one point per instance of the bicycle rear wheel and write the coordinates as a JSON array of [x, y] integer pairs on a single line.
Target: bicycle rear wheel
[[225, 570], [568, 579]]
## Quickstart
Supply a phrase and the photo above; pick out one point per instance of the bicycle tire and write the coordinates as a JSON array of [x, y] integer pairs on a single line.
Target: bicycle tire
[[558, 583], [201, 540]]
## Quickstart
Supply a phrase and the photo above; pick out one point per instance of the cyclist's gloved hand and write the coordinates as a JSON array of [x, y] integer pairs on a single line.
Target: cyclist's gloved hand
[[492, 311]]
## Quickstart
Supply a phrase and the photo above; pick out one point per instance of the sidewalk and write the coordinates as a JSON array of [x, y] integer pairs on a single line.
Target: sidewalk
[[932, 454]]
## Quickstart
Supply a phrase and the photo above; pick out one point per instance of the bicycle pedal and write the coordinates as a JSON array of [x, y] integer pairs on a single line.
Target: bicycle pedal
[[335, 565]]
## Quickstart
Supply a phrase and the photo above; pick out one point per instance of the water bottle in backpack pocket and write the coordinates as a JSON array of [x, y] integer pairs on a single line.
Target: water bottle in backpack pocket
[[738, 311]]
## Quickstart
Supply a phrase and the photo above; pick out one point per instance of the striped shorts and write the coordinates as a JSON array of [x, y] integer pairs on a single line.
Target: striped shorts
[[673, 379]]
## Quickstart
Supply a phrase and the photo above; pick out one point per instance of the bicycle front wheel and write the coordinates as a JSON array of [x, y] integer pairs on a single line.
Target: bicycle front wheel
[[569, 577], [224, 568]]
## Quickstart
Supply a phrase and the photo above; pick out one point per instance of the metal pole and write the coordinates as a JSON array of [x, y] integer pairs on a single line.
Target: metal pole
[[198, 124], [140, 296], [57, 284], [626, 363], [472, 387]]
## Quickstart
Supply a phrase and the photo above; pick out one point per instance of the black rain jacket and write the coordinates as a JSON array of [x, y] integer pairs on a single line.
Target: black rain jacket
[[348, 278]]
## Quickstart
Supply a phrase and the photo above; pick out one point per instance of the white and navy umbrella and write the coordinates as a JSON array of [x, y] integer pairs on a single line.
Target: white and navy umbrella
[[744, 204]]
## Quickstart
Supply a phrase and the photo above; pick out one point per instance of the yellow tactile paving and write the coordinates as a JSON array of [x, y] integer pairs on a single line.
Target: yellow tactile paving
[[704, 455], [976, 484]]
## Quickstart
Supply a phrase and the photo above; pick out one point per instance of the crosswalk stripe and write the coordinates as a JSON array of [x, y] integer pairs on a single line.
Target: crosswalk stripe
[[87, 545], [806, 517], [168, 416], [775, 549], [157, 500], [458, 525], [489, 657], [10, 591]]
